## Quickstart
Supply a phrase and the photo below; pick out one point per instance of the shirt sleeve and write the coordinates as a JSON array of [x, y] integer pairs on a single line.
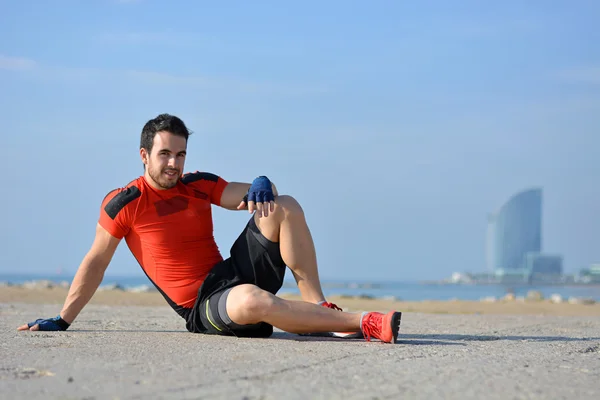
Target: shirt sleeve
[[205, 182], [117, 210], [215, 196]]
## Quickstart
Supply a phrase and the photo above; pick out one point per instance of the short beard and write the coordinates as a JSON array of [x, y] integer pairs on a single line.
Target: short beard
[[158, 178]]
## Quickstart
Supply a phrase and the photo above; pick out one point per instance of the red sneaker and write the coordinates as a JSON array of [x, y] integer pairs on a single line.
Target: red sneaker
[[380, 326]]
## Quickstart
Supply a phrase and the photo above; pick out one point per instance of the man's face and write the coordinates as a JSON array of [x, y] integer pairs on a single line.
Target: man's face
[[164, 164]]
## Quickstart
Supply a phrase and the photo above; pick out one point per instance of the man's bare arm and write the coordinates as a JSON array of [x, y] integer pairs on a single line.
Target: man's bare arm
[[90, 273], [88, 277], [233, 194]]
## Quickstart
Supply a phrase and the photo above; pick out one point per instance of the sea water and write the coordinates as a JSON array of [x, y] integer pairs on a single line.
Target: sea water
[[408, 291]]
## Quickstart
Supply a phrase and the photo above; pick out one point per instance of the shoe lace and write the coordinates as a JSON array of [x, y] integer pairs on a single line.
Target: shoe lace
[[331, 305], [371, 327]]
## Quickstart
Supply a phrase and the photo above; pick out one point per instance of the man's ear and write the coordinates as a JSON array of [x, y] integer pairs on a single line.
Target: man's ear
[[144, 156]]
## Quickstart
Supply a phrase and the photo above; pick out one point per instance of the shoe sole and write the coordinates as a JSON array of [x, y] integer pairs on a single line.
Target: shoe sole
[[347, 335], [316, 334], [337, 335], [395, 323]]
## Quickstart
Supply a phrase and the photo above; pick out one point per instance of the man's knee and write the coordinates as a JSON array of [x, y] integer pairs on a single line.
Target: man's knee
[[287, 208], [248, 304], [287, 205]]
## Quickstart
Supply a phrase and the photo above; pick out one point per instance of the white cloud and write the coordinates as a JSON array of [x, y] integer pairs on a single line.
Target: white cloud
[[229, 84], [168, 79], [587, 75], [473, 27], [137, 38], [205, 43], [497, 28], [16, 63]]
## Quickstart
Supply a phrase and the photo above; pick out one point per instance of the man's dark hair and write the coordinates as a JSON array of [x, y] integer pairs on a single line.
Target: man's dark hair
[[164, 122]]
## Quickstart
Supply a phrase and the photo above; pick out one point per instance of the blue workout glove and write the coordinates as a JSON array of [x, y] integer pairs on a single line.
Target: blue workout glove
[[261, 191], [51, 324]]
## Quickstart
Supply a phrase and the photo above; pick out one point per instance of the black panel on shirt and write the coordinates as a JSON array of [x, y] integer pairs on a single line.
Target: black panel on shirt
[[171, 206], [118, 202], [197, 176]]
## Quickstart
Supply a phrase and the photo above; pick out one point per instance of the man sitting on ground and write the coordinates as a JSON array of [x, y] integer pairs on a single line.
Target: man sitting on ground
[[166, 219]]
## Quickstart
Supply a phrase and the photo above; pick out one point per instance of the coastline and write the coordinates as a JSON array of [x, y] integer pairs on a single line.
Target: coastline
[[56, 295], [507, 285]]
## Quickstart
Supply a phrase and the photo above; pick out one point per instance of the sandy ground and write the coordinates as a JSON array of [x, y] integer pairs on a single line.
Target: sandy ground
[[144, 352], [115, 297]]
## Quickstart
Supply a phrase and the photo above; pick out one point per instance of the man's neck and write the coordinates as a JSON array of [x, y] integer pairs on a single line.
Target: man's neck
[[151, 182]]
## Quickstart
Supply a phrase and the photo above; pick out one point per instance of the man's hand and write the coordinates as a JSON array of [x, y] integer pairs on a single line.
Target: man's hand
[[260, 197], [48, 324]]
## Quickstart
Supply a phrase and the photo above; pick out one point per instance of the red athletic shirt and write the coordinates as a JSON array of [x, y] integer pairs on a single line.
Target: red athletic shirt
[[169, 232]]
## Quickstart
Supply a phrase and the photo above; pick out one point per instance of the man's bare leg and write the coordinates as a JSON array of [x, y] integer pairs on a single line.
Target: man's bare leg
[[287, 225], [248, 304]]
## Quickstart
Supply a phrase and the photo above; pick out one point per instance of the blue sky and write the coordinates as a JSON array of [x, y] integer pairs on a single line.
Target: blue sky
[[397, 125]]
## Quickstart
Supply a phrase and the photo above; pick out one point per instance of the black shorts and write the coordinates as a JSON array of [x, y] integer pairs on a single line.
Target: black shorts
[[253, 259]]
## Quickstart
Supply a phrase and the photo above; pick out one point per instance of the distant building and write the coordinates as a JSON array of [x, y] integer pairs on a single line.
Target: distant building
[[543, 267], [459, 277], [514, 240], [590, 274], [514, 231]]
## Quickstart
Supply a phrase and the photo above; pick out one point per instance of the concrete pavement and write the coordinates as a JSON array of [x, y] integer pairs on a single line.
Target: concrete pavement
[[133, 352]]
